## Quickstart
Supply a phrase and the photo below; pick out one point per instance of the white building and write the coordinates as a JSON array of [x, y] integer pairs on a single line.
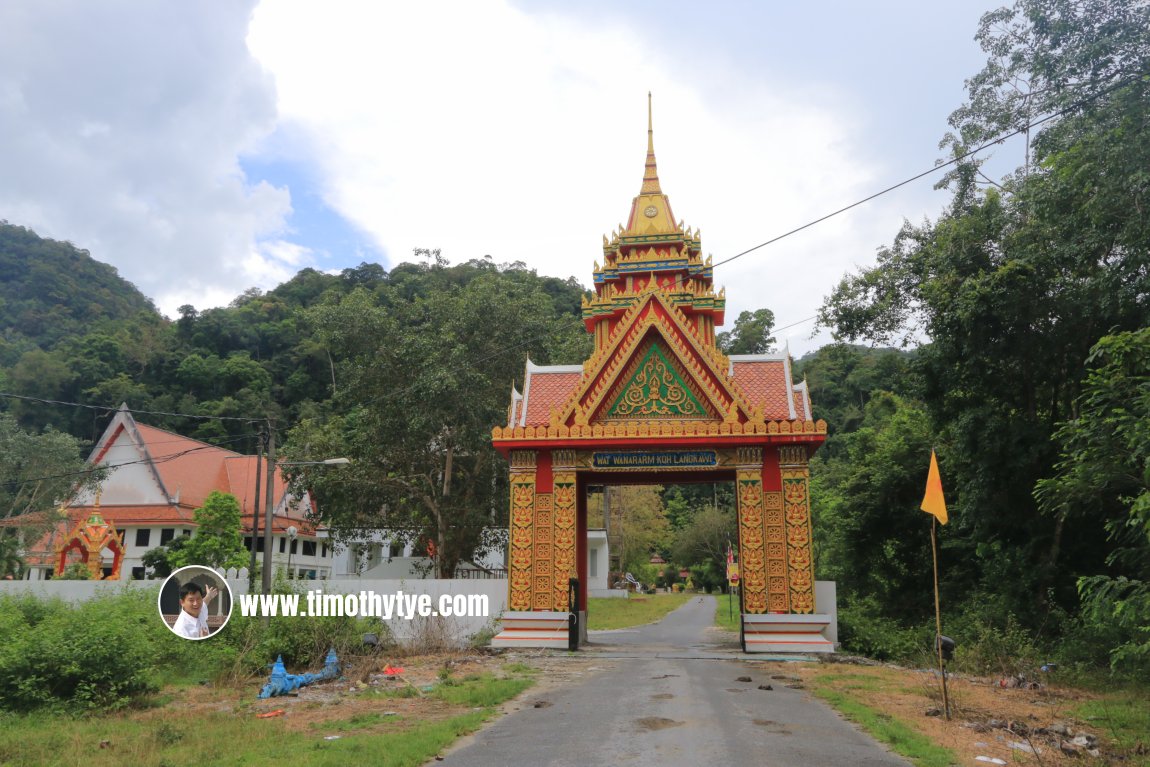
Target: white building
[[383, 555]]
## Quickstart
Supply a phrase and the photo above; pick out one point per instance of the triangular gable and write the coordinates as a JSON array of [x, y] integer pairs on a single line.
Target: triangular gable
[[651, 324], [136, 481], [655, 385]]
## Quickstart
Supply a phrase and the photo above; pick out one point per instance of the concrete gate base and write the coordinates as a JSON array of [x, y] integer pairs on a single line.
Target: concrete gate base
[[537, 628], [764, 632], [779, 633]]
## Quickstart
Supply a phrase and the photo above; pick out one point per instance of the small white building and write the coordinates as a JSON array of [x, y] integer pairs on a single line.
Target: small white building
[[598, 563], [382, 554]]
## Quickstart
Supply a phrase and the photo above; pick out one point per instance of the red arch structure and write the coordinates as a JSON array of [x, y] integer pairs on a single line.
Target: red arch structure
[[89, 538]]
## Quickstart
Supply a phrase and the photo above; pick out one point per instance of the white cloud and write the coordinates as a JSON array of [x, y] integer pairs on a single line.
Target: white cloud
[[475, 127], [480, 129], [120, 128]]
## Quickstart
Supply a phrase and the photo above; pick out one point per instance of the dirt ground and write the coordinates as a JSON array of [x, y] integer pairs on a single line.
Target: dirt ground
[[1017, 725], [1008, 720], [367, 699]]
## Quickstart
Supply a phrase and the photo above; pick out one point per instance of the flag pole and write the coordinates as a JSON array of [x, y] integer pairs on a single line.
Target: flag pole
[[938, 614]]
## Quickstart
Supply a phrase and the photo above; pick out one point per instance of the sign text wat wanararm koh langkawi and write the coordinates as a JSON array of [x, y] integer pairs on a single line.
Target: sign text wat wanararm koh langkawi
[[657, 401]]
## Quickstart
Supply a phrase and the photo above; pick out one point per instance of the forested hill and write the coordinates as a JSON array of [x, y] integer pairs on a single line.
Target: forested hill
[[50, 290], [72, 330]]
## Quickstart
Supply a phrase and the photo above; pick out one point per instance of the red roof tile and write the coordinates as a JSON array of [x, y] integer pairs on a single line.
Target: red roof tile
[[800, 407], [189, 469], [764, 384], [137, 516], [545, 391], [240, 481]]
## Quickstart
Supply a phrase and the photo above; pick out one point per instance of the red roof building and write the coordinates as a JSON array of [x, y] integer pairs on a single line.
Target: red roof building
[[157, 481]]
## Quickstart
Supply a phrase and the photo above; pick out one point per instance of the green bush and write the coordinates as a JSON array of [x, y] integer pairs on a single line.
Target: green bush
[[302, 642], [76, 571], [113, 650], [94, 656], [987, 649], [865, 631]]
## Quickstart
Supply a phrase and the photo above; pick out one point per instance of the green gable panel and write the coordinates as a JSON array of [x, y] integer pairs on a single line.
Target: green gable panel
[[656, 390]]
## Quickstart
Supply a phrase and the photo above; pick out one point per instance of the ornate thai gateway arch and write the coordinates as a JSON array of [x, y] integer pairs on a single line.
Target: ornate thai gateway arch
[[658, 402]]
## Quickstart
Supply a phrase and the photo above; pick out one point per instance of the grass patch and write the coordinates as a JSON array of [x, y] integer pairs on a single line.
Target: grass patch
[[230, 734], [358, 722], [392, 692], [899, 736], [852, 681], [485, 690], [727, 613], [517, 668], [636, 610], [1124, 718]]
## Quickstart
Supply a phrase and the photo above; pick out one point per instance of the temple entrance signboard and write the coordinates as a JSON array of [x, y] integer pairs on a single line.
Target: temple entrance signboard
[[658, 402]]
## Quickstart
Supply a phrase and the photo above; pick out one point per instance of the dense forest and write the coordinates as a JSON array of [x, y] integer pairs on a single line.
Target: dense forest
[[1034, 389], [1033, 386]]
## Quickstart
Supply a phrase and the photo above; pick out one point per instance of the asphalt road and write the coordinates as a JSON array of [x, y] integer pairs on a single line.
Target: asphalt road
[[668, 694]]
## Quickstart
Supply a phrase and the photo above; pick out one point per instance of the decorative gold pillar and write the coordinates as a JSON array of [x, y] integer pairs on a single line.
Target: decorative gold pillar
[[542, 564], [566, 528], [797, 513], [752, 548], [778, 592], [522, 523]]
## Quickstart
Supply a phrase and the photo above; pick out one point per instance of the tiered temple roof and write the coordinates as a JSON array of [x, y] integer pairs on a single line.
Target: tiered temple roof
[[655, 359]]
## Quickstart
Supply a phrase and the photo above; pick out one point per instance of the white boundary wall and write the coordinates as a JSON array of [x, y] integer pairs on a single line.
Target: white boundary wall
[[451, 630], [445, 631]]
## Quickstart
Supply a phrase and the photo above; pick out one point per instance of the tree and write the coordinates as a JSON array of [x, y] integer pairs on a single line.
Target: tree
[[683, 502], [870, 536], [159, 559], [842, 378], [218, 541], [1104, 475], [39, 472], [642, 523], [751, 334], [11, 563], [1015, 283], [707, 538], [1047, 56], [422, 367]]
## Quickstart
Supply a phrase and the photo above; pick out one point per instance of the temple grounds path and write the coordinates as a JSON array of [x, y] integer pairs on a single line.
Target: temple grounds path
[[676, 692]]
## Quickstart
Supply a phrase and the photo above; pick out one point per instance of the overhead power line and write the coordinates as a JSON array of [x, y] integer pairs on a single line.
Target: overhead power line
[[814, 222], [112, 409], [679, 280], [153, 461]]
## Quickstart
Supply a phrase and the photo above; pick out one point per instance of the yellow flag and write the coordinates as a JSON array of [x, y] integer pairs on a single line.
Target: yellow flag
[[933, 502]]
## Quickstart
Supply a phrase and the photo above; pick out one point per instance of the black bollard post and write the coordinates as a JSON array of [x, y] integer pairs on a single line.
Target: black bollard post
[[573, 614]]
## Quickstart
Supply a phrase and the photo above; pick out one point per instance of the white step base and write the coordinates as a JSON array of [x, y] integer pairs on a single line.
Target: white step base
[[782, 633], [539, 628]]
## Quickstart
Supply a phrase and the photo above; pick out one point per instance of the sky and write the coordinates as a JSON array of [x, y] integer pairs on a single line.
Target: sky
[[206, 148]]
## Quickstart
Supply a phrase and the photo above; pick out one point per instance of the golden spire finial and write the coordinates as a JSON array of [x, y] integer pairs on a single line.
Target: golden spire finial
[[650, 172], [650, 128]]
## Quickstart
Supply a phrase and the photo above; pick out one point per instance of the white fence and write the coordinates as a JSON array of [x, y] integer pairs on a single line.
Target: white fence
[[422, 631]]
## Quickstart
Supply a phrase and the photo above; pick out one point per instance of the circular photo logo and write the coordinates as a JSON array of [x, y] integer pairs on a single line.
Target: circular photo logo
[[195, 602]]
